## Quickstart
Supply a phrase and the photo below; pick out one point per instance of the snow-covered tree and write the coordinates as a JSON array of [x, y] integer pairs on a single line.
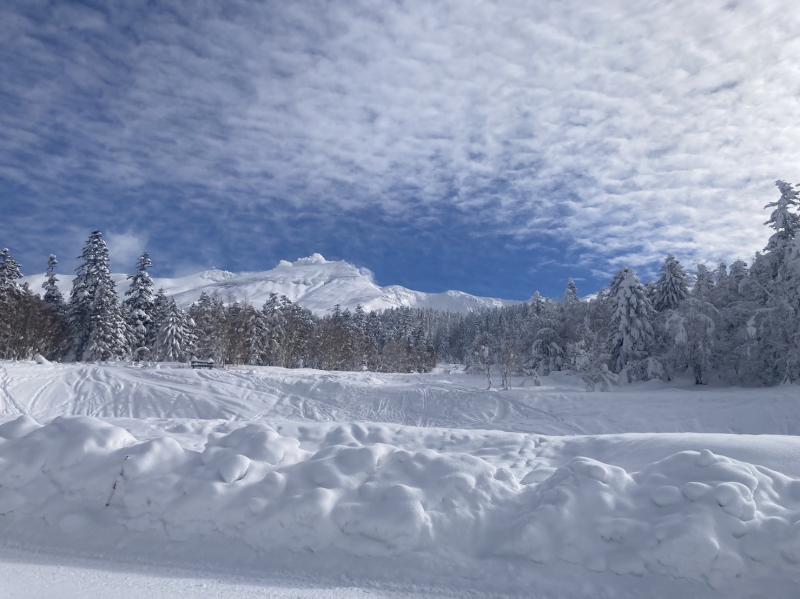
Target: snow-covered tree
[[139, 308], [52, 294], [785, 222], [671, 288], [208, 314], [784, 219], [547, 351], [10, 302], [571, 292], [94, 312], [703, 283], [481, 356], [257, 336], [108, 333], [691, 328], [175, 339], [737, 275], [161, 305], [274, 324], [631, 331], [10, 273], [54, 326]]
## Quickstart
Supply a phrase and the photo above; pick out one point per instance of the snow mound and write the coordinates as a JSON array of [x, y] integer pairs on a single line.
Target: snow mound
[[355, 492], [691, 515]]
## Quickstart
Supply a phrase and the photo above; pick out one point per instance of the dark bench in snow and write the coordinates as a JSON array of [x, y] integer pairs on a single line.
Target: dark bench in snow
[[202, 363]]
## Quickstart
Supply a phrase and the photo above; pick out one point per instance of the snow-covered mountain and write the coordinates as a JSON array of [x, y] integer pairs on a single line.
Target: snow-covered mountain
[[313, 282]]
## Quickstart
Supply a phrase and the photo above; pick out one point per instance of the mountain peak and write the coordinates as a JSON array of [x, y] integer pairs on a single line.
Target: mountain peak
[[313, 282], [315, 258]]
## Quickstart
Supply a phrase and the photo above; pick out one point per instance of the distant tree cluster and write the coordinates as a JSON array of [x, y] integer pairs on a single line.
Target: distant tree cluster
[[281, 333], [94, 325], [736, 324]]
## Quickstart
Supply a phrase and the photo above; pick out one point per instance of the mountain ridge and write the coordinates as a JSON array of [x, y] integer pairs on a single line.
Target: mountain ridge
[[312, 281]]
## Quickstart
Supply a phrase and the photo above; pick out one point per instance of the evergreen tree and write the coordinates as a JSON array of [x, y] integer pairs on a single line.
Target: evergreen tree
[[52, 294], [10, 273], [631, 332], [671, 288], [55, 327], [358, 331], [10, 303], [703, 283], [783, 220], [547, 350], [108, 333], [274, 325], [175, 339], [94, 312], [691, 327], [208, 314], [571, 293], [737, 276], [139, 308], [161, 306], [297, 331]]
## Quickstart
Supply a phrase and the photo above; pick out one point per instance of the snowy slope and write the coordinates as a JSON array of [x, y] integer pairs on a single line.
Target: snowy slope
[[313, 282]]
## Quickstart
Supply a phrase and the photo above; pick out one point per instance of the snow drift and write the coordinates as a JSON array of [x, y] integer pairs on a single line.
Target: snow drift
[[360, 491]]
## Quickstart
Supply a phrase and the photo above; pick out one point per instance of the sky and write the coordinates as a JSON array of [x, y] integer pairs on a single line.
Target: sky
[[496, 147]]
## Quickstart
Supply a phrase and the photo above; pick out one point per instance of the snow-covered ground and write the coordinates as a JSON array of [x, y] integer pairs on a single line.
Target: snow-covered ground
[[447, 398], [370, 484], [33, 575]]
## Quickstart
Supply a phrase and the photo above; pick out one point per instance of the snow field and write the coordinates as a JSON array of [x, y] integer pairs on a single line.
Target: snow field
[[561, 406], [407, 497]]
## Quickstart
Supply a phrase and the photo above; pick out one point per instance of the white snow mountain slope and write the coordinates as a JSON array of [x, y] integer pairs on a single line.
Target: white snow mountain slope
[[313, 282]]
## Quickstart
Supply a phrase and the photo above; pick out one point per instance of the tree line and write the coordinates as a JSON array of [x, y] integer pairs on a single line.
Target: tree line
[[735, 324], [94, 325]]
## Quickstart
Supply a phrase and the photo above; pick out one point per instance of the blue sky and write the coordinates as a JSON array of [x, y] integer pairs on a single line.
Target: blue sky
[[494, 147]]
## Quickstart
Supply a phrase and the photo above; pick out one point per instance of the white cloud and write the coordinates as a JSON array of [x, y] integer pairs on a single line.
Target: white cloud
[[626, 129], [125, 248]]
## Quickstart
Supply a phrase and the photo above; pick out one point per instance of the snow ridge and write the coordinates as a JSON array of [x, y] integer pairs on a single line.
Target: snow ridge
[[314, 282]]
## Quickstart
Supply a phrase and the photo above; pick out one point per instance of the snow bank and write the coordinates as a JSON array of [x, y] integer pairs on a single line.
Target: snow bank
[[694, 515], [691, 515]]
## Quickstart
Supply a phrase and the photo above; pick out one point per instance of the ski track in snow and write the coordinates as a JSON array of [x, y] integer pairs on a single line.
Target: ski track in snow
[[560, 407], [9, 400]]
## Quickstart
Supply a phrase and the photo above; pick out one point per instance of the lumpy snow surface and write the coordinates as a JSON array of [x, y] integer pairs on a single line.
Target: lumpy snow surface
[[469, 510]]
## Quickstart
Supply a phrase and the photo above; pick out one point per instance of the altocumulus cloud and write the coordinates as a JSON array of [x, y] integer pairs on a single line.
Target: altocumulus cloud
[[619, 130]]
